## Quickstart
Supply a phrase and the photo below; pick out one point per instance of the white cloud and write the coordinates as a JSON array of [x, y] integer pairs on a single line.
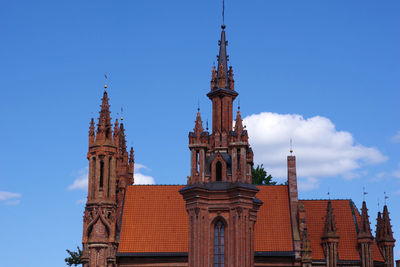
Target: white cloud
[[8, 195], [143, 179], [396, 173], [81, 181], [396, 138], [10, 198], [13, 202], [81, 201], [321, 150]]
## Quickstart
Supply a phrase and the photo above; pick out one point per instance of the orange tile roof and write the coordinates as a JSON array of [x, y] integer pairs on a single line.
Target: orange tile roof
[[155, 220], [273, 230], [346, 228]]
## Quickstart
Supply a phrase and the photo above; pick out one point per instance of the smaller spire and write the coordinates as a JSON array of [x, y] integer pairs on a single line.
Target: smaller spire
[[387, 233], [104, 124], [122, 140], [131, 156], [239, 123], [365, 229], [330, 223], [91, 132], [198, 128], [378, 231], [116, 132], [91, 127]]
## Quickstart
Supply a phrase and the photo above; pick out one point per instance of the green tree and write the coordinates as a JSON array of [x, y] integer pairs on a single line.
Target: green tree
[[260, 176], [74, 257]]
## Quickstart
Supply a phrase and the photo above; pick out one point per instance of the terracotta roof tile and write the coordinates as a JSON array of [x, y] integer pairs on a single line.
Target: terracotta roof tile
[[155, 220], [273, 228]]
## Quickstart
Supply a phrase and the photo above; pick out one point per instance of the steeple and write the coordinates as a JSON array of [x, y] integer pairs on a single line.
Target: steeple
[[330, 223], [330, 239], [238, 123], [365, 229], [365, 238], [91, 132], [222, 71], [384, 237], [198, 128], [104, 123], [387, 233]]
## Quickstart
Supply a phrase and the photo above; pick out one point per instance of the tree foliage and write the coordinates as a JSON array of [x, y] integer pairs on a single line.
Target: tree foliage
[[260, 176], [74, 257]]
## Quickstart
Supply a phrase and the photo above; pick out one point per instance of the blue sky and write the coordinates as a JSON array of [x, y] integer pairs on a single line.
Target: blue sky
[[324, 73]]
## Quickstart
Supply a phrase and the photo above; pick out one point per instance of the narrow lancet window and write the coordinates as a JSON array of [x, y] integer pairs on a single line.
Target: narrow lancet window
[[219, 244], [101, 174], [197, 161], [218, 171], [238, 158]]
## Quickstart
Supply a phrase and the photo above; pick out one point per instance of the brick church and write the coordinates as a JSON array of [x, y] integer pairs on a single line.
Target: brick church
[[219, 218]]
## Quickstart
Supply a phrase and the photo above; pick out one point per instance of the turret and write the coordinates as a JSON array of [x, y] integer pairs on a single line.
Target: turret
[[108, 166]]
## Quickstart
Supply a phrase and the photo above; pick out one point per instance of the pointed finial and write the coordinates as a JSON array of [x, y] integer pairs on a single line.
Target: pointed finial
[[378, 204], [239, 104], [122, 114], [105, 82], [198, 105], [207, 125], [291, 147], [364, 193], [329, 194]]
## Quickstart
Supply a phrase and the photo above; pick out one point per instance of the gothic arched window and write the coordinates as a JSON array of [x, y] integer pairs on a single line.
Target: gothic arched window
[[219, 244], [218, 171]]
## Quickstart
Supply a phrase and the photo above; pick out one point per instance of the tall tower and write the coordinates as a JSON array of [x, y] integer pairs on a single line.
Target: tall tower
[[110, 170], [220, 198]]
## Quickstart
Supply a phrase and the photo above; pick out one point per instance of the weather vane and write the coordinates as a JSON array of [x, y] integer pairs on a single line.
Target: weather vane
[[291, 147], [105, 81], [364, 193], [122, 114], [386, 197]]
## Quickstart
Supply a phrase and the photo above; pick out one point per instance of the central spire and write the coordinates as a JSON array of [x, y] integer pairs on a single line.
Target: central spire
[[222, 71]]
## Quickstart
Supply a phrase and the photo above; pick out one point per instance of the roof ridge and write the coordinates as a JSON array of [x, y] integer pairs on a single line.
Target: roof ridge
[[324, 199]]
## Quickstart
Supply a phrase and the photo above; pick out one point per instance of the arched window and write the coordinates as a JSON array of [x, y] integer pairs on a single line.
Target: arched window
[[218, 171], [219, 244]]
